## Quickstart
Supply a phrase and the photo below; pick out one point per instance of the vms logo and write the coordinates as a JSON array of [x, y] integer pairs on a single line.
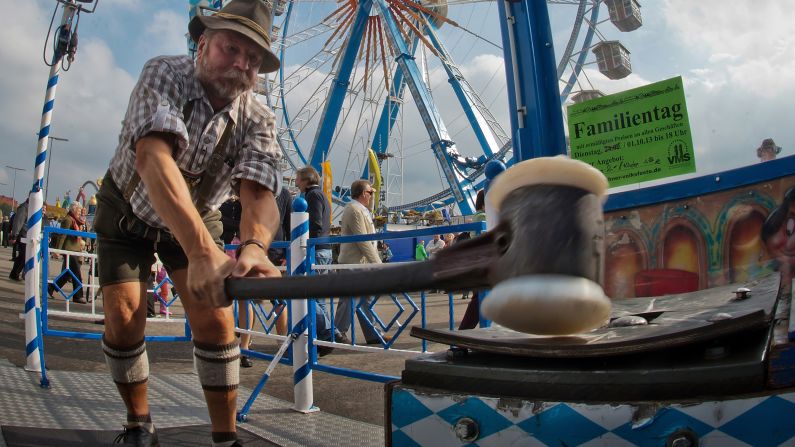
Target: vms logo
[[678, 153]]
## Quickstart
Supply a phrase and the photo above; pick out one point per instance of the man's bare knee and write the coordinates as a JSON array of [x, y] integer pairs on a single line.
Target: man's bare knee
[[125, 319]]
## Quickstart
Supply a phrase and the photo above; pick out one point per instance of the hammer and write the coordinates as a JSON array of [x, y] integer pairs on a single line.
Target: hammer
[[543, 259]]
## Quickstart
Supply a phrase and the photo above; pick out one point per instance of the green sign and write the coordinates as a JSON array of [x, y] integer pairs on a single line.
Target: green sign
[[634, 136]]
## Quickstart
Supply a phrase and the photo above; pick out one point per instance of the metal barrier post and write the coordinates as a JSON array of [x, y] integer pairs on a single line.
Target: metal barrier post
[[299, 317], [36, 198]]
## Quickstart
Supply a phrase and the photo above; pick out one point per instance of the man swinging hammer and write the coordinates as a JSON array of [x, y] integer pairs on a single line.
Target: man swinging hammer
[[193, 132]]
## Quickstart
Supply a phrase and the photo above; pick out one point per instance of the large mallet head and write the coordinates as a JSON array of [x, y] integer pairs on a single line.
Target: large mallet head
[[550, 228]]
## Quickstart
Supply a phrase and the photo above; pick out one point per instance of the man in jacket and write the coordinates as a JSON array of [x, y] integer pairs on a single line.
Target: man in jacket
[[357, 219]]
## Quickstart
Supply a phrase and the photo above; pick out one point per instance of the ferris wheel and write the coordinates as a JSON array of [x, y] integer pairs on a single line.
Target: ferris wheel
[[414, 90]]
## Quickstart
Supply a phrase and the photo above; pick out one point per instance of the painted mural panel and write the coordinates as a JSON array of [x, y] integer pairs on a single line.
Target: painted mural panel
[[702, 241]]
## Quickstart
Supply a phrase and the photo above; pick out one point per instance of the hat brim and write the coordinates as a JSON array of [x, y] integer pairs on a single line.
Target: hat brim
[[198, 24]]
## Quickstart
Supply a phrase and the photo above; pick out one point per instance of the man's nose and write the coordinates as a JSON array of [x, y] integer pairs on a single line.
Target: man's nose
[[242, 62]]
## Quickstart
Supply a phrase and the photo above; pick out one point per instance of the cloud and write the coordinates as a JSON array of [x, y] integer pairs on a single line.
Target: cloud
[[89, 104], [722, 57], [167, 31], [748, 45], [133, 5]]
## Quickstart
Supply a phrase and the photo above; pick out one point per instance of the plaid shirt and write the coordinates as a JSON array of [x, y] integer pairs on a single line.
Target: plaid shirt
[[166, 84]]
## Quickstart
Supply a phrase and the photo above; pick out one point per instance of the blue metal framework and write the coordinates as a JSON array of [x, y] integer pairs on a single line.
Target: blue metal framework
[[583, 54], [443, 147], [392, 104], [529, 100], [333, 107], [468, 98], [380, 143], [533, 94], [407, 74]]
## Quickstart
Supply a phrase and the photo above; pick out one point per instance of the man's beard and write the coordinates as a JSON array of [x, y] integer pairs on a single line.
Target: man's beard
[[227, 85]]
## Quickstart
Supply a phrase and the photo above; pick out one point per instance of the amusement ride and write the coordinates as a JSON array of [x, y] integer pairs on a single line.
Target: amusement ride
[[386, 89]]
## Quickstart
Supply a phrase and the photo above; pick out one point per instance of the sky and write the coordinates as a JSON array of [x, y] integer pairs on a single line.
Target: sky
[[737, 64]]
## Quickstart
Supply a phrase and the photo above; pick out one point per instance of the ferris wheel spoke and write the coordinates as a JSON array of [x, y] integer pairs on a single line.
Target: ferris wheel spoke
[[444, 149], [303, 36], [392, 105], [339, 89], [314, 65], [489, 133], [583, 54]]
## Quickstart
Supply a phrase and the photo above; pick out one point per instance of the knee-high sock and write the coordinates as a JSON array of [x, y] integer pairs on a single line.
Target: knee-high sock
[[128, 365], [218, 365]]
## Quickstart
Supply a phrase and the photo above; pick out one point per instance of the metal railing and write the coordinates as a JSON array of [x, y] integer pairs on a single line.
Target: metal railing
[[408, 308]]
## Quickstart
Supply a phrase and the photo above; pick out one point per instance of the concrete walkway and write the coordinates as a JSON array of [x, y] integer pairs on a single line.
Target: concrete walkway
[[79, 364]]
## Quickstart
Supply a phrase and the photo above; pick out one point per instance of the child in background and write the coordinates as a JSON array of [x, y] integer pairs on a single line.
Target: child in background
[[162, 292]]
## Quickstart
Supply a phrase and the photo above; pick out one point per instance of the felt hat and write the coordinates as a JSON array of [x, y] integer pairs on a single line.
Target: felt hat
[[251, 18]]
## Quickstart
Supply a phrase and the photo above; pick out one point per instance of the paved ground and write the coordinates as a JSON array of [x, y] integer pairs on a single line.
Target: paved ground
[[355, 399]]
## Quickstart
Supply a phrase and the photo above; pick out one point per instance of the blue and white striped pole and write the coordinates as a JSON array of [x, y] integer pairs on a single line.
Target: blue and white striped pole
[[36, 203], [299, 316]]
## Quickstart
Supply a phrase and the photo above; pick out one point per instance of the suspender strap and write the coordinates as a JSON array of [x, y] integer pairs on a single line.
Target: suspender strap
[[213, 169], [131, 185]]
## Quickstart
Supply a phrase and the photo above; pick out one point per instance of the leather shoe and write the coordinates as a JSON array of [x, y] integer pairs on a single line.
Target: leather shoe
[[342, 338], [323, 351], [79, 300], [137, 436], [245, 362], [387, 339]]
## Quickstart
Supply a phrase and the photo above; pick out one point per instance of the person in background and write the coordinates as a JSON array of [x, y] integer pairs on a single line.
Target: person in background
[[278, 256], [230, 218], [307, 179], [386, 252], [768, 150], [162, 293], [434, 245], [71, 221], [284, 204], [472, 314], [357, 219], [446, 216], [449, 239], [419, 252], [19, 230], [6, 228], [67, 200]]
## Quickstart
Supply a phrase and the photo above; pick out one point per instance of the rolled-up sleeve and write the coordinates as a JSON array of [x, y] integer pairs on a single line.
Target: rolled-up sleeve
[[154, 105], [259, 157]]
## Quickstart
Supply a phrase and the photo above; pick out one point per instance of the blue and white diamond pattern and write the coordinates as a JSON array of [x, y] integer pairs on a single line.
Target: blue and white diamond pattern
[[421, 418]]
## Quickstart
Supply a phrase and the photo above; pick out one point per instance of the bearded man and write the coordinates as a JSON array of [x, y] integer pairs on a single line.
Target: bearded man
[[193, 133]]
